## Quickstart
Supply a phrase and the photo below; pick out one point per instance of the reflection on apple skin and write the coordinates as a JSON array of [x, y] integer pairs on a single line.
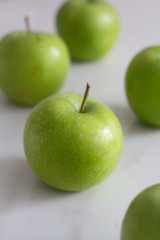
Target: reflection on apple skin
[[69, 150]]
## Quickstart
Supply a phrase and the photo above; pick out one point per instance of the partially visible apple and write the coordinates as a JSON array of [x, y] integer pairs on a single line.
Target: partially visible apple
[[89, 27], [32, 66], [142, 220], [72, 145], [143, 85]]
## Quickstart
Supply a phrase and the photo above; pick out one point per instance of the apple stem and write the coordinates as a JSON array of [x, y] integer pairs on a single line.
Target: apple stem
[[85, 97], [27, 23]]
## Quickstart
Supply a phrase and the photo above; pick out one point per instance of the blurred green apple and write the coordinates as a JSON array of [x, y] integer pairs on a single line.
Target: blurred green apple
[[32, 66], [72, 149], [89, 27], [143, 85], [142, 220]]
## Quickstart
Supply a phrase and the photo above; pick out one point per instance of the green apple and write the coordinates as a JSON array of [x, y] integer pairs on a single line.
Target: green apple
[[72, 149], [142, 220], [143, 85], [89, 27], [32, 66]]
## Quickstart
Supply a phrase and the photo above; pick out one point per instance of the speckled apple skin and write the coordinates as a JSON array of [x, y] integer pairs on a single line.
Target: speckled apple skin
[[142, 220], [69, 150], [89, 28], [32, 66]]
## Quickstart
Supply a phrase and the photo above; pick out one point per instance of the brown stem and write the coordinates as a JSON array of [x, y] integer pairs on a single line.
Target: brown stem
[[27, 23], [85, 97]]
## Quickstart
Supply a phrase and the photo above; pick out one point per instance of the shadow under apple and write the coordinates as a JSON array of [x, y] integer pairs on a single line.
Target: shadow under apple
[[7, 104], [135, 133], [131, 124], [19, 186]]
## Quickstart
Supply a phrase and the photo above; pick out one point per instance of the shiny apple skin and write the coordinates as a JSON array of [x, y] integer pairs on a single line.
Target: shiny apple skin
[[89, 28], [142, 220], [143, 85], [32, 66], [69, 150]]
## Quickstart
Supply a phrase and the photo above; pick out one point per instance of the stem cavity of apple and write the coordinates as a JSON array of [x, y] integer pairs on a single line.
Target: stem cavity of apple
[[85, 97], [27, 24]]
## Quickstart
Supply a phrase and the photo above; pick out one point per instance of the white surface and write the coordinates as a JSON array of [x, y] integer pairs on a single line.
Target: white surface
[[30, 209]]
